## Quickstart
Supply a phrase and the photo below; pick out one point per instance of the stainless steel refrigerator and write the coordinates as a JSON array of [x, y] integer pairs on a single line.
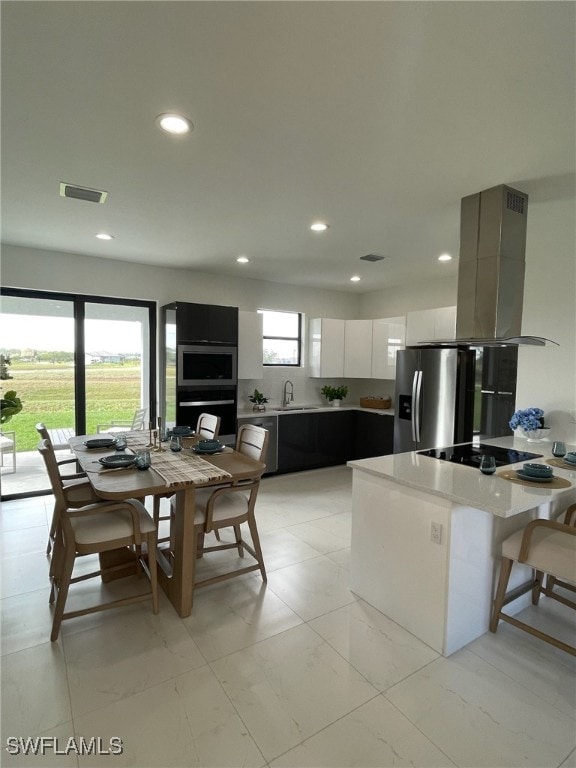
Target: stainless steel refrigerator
[[448, 395]]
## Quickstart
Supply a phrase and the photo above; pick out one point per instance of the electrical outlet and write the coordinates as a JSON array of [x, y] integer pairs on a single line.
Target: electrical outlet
[[436, 533]]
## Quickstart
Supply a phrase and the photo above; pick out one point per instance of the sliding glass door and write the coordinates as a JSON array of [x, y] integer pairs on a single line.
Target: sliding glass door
[[76, 363], [116, 362]]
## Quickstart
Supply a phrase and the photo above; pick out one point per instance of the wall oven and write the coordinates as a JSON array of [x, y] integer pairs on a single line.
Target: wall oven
[[219, 401], [200, 365]]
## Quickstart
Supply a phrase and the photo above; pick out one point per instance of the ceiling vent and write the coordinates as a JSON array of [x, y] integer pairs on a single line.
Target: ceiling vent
[[82, 193], [372, 257]]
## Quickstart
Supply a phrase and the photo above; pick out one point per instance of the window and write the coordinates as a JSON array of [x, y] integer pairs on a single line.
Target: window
[[282, 337], [76, 362]]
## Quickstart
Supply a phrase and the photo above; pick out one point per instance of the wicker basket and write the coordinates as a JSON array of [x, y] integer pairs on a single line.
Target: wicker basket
[[383, 403]]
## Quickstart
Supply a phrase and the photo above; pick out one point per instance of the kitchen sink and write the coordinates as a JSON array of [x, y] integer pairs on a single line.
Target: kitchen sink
[[298, 408]]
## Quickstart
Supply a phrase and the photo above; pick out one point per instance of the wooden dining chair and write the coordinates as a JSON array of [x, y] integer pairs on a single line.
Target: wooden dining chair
[[80, 490], [228, 506], [208, 427], [138, 422], [568, 518], [91, 529], [549, 548]]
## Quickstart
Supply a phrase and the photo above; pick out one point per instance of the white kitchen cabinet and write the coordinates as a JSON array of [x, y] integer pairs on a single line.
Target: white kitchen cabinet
[[388, 336], [355, 349], [326, 348], [250, 347], [430, 324], [358, 349]]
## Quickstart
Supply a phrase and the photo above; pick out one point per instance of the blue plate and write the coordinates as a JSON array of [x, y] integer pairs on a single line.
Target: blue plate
[[181, 431], [533, 478], [117, 460], [101, 442], [207, 451]]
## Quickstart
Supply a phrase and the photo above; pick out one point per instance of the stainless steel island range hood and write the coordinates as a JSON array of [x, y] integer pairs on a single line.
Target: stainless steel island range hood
[[491, 270]]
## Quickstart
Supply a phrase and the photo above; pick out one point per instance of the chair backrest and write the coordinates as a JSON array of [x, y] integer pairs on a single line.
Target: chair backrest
[[208, 425], [54, 476], [252, 441], [139, 420], [44, 434], [570, 515]]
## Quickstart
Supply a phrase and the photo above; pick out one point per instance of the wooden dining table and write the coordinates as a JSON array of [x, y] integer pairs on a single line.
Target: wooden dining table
[[176, 561]]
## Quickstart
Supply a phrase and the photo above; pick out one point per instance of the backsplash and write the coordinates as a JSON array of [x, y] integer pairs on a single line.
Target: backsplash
[[306, 389]]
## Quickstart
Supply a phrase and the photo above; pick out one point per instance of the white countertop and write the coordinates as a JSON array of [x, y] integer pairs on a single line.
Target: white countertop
[[467, 485], [310, 408]]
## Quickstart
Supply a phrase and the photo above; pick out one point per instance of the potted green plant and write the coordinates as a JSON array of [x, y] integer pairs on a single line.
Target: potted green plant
[[334, 394], [10, 405], [259, 401]]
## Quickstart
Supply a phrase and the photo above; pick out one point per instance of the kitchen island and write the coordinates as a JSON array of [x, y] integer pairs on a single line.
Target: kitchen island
[[426, 537]]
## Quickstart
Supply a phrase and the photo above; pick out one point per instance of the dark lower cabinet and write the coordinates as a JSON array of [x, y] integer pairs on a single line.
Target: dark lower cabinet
[[374, 435], [313, 440]]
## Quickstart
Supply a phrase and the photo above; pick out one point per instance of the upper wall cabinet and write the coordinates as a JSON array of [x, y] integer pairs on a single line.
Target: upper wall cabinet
[[326, 348], [358, 349], [250, 349], [205, 323], [430, 324], [388, 336]]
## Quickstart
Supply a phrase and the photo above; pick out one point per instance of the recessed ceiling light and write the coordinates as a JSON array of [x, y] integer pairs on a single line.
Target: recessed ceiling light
[[355, 279], [172, 123], [445, 257], [242, 259], [104, 236], [319, 226]]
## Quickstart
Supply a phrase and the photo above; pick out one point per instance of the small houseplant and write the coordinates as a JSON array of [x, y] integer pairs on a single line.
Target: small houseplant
[[10, 405], [334, 394], [259, 401]]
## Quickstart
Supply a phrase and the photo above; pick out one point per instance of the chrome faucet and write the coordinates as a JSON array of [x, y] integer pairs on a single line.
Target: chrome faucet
[[287, 396]]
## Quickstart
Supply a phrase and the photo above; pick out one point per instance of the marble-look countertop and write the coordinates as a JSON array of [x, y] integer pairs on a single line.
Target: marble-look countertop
[[467, 485], [310, 408]]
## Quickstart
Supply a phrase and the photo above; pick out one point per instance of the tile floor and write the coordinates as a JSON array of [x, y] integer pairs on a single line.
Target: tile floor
[[298, 672]]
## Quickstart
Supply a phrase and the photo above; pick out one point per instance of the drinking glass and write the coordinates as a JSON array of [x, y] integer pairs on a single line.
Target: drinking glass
[[487, 464], [175, 443], [121, 443], [142, 460], [558, 448]]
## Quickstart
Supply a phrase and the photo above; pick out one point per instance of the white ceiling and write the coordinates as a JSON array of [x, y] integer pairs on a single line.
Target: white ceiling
[[377, 117]]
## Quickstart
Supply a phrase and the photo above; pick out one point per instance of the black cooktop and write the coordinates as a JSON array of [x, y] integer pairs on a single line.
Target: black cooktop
[[468, 454]]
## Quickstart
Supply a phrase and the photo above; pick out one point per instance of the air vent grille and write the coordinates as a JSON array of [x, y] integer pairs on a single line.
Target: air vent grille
[[372, 257], [515, 202], [82, 193]]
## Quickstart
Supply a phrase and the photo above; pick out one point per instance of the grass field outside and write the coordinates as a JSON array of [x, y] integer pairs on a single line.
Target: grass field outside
[[113, 391]]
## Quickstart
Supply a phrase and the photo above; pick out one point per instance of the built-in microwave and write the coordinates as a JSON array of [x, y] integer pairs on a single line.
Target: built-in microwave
[[200, 365]]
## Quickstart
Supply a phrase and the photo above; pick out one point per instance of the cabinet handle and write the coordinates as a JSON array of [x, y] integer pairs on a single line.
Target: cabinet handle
[[414, 396], [417, 407], [208, 402]]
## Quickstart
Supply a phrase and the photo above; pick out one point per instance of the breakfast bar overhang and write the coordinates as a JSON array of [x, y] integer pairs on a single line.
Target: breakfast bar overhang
[[426, 538]]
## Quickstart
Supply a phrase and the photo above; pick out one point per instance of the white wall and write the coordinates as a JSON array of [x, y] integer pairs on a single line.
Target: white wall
[[71, 273], [546, 376], [400, 299]]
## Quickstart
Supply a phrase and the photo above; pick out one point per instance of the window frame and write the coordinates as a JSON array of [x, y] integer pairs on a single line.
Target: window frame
[[297, 338]]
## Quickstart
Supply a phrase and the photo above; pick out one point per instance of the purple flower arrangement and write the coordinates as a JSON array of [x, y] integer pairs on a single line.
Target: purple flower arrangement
[[528, 419]]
